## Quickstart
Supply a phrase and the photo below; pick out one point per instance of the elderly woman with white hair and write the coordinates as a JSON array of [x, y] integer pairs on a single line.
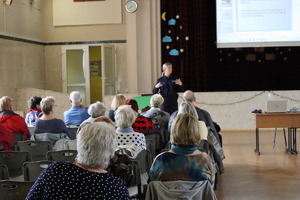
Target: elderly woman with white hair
[[125, 116], [157, 116], [86, 178], [95, 110]]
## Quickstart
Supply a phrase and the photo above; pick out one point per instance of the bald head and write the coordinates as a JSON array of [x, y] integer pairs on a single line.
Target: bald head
[[189, 96]]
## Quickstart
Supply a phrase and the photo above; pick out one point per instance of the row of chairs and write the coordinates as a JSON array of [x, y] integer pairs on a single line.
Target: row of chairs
[[14, 160], [31, 170]]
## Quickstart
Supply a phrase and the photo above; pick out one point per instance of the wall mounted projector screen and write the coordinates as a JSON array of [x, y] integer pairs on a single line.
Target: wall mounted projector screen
[[258, 23]]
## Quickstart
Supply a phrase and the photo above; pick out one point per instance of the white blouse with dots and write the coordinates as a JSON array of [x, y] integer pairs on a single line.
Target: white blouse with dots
[[138, 139], [63, 180]]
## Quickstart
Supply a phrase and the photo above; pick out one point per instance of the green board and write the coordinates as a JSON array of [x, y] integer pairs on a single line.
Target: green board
[[143, 101]]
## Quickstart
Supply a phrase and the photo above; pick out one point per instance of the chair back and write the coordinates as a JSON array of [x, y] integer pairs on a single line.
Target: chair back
[[31, 129], [53, 137], [157, 139], [17, 137], [4, 175], [151, 147], [183, 190], [37, 149], [63, 155], [32, 170], [71, 144], [140, 165], [164, 133], [14, 161], [73, 131], [14, 190]]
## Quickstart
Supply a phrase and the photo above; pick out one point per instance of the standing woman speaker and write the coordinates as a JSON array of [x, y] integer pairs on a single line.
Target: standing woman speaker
[[168, 86]]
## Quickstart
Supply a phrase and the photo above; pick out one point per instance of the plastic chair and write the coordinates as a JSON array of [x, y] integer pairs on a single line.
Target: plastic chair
[[14, 161], [157, 141], [140, 165], [73, 131], [32, 170], [37, 149], [71, 145], [17, 137], [31, 129], [15, 190], [4, 175], [191, 190], [63, 155], [151, 147]]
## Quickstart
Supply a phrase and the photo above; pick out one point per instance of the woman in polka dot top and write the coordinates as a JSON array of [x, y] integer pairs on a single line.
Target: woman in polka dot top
[[125, 116], [86, 178]]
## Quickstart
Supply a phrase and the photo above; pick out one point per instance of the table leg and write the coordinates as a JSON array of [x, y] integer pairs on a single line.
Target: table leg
[[295, 141], [289, 148], [257, 142], [285, 139]]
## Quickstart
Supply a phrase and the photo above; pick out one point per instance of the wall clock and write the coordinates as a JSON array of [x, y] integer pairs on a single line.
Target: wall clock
[[131, 6]]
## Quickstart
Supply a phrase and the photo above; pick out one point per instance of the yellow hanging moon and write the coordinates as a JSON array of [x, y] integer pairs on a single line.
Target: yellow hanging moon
[[163, 16]]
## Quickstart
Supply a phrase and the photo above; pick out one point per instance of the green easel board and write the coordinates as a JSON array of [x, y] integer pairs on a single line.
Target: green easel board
[[143, 101]]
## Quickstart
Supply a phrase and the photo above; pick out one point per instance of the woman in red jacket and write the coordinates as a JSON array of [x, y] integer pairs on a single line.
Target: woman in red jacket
[[12, 121]]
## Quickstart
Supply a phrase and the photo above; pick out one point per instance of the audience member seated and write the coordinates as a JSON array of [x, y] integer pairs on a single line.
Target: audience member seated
[[125, 116], [202, 114], [78, 112], [10, 119], [86, 178], [6, 138], [188, 108], [142, 124], [104, 119], [157, 116], [47, 123], [34, 109], [183, 161], [95, 110], [120, 164], [117, 101]]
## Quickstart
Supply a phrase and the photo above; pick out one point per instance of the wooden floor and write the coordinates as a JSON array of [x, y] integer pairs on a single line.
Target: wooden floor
[[273, 175]]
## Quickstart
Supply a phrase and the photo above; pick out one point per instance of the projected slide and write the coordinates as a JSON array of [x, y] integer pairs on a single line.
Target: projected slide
[[251, 23]]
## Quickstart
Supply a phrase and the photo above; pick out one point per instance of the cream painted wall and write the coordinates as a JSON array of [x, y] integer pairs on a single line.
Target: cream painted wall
[[86, 13], [22, 20], [21, 65], [53, 68], [80, 33], [143, 46]]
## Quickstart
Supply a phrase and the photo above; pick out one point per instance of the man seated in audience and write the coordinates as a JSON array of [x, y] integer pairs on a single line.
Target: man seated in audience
[[78, 112], [6, 138], [202, 114], [11, 120], [141, 124]]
